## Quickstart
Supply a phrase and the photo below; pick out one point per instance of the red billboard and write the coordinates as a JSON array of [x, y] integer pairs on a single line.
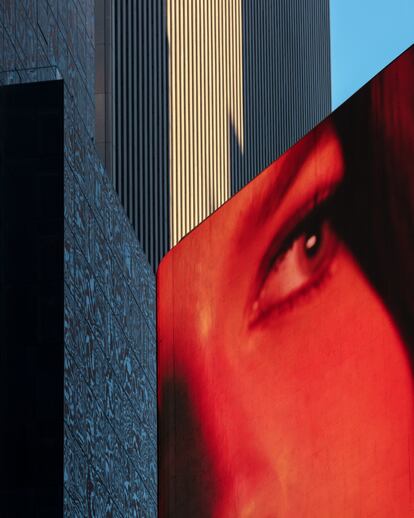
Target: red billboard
[[286, 325]]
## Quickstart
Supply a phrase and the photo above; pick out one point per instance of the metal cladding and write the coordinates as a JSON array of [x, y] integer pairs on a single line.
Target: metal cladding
[[206, 95], [140, 120]]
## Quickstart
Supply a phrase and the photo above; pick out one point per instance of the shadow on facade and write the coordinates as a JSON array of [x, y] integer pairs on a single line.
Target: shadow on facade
[[286, 80]]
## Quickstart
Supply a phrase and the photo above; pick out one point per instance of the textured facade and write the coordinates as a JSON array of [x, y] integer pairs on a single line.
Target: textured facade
[[109, 291], [205, 96]]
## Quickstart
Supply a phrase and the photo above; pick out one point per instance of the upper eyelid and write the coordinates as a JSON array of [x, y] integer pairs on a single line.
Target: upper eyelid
[[316, 214], [319, 205], [322, 196]]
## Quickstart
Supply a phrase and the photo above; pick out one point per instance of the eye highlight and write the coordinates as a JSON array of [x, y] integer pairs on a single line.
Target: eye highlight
[[297, 264]]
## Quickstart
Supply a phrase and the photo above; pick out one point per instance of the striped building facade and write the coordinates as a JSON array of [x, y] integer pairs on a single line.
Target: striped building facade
[[205, 95]]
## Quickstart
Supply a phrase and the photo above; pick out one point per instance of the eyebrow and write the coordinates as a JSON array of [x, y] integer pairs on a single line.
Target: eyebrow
[[279, 183]]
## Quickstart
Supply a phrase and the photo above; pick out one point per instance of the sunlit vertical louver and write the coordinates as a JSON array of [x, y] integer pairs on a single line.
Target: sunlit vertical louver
[[206, 100]]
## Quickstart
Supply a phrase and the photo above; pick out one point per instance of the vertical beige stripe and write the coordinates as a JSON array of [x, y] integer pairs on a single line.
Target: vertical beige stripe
[[206, 95]]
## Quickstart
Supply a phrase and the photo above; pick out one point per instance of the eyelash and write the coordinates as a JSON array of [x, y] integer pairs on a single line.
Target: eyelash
[[320, 209], [291, 302], [318, 212], [317, 209]]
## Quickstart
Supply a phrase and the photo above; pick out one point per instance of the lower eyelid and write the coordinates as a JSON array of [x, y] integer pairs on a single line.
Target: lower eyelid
[[302, 295], [305, 292]]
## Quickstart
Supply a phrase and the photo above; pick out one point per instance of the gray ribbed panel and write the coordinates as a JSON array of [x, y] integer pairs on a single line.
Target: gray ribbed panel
[[140, 120], [103, 81], [286, 71]]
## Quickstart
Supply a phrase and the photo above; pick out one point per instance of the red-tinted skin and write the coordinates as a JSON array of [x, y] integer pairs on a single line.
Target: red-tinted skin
[[298, 378]]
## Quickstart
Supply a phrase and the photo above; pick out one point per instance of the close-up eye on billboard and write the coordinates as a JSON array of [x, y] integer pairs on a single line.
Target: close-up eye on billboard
[[286, 329]]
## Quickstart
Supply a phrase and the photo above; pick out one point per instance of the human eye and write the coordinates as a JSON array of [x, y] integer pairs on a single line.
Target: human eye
[[299, 260]]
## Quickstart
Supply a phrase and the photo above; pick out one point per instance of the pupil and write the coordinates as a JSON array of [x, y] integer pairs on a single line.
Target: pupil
[[312, 243]]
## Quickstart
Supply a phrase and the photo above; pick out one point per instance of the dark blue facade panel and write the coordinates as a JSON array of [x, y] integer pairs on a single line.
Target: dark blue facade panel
[[31, 300], [109, 289]]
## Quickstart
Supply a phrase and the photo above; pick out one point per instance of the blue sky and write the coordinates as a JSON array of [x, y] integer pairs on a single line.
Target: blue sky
[[365, 36]]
